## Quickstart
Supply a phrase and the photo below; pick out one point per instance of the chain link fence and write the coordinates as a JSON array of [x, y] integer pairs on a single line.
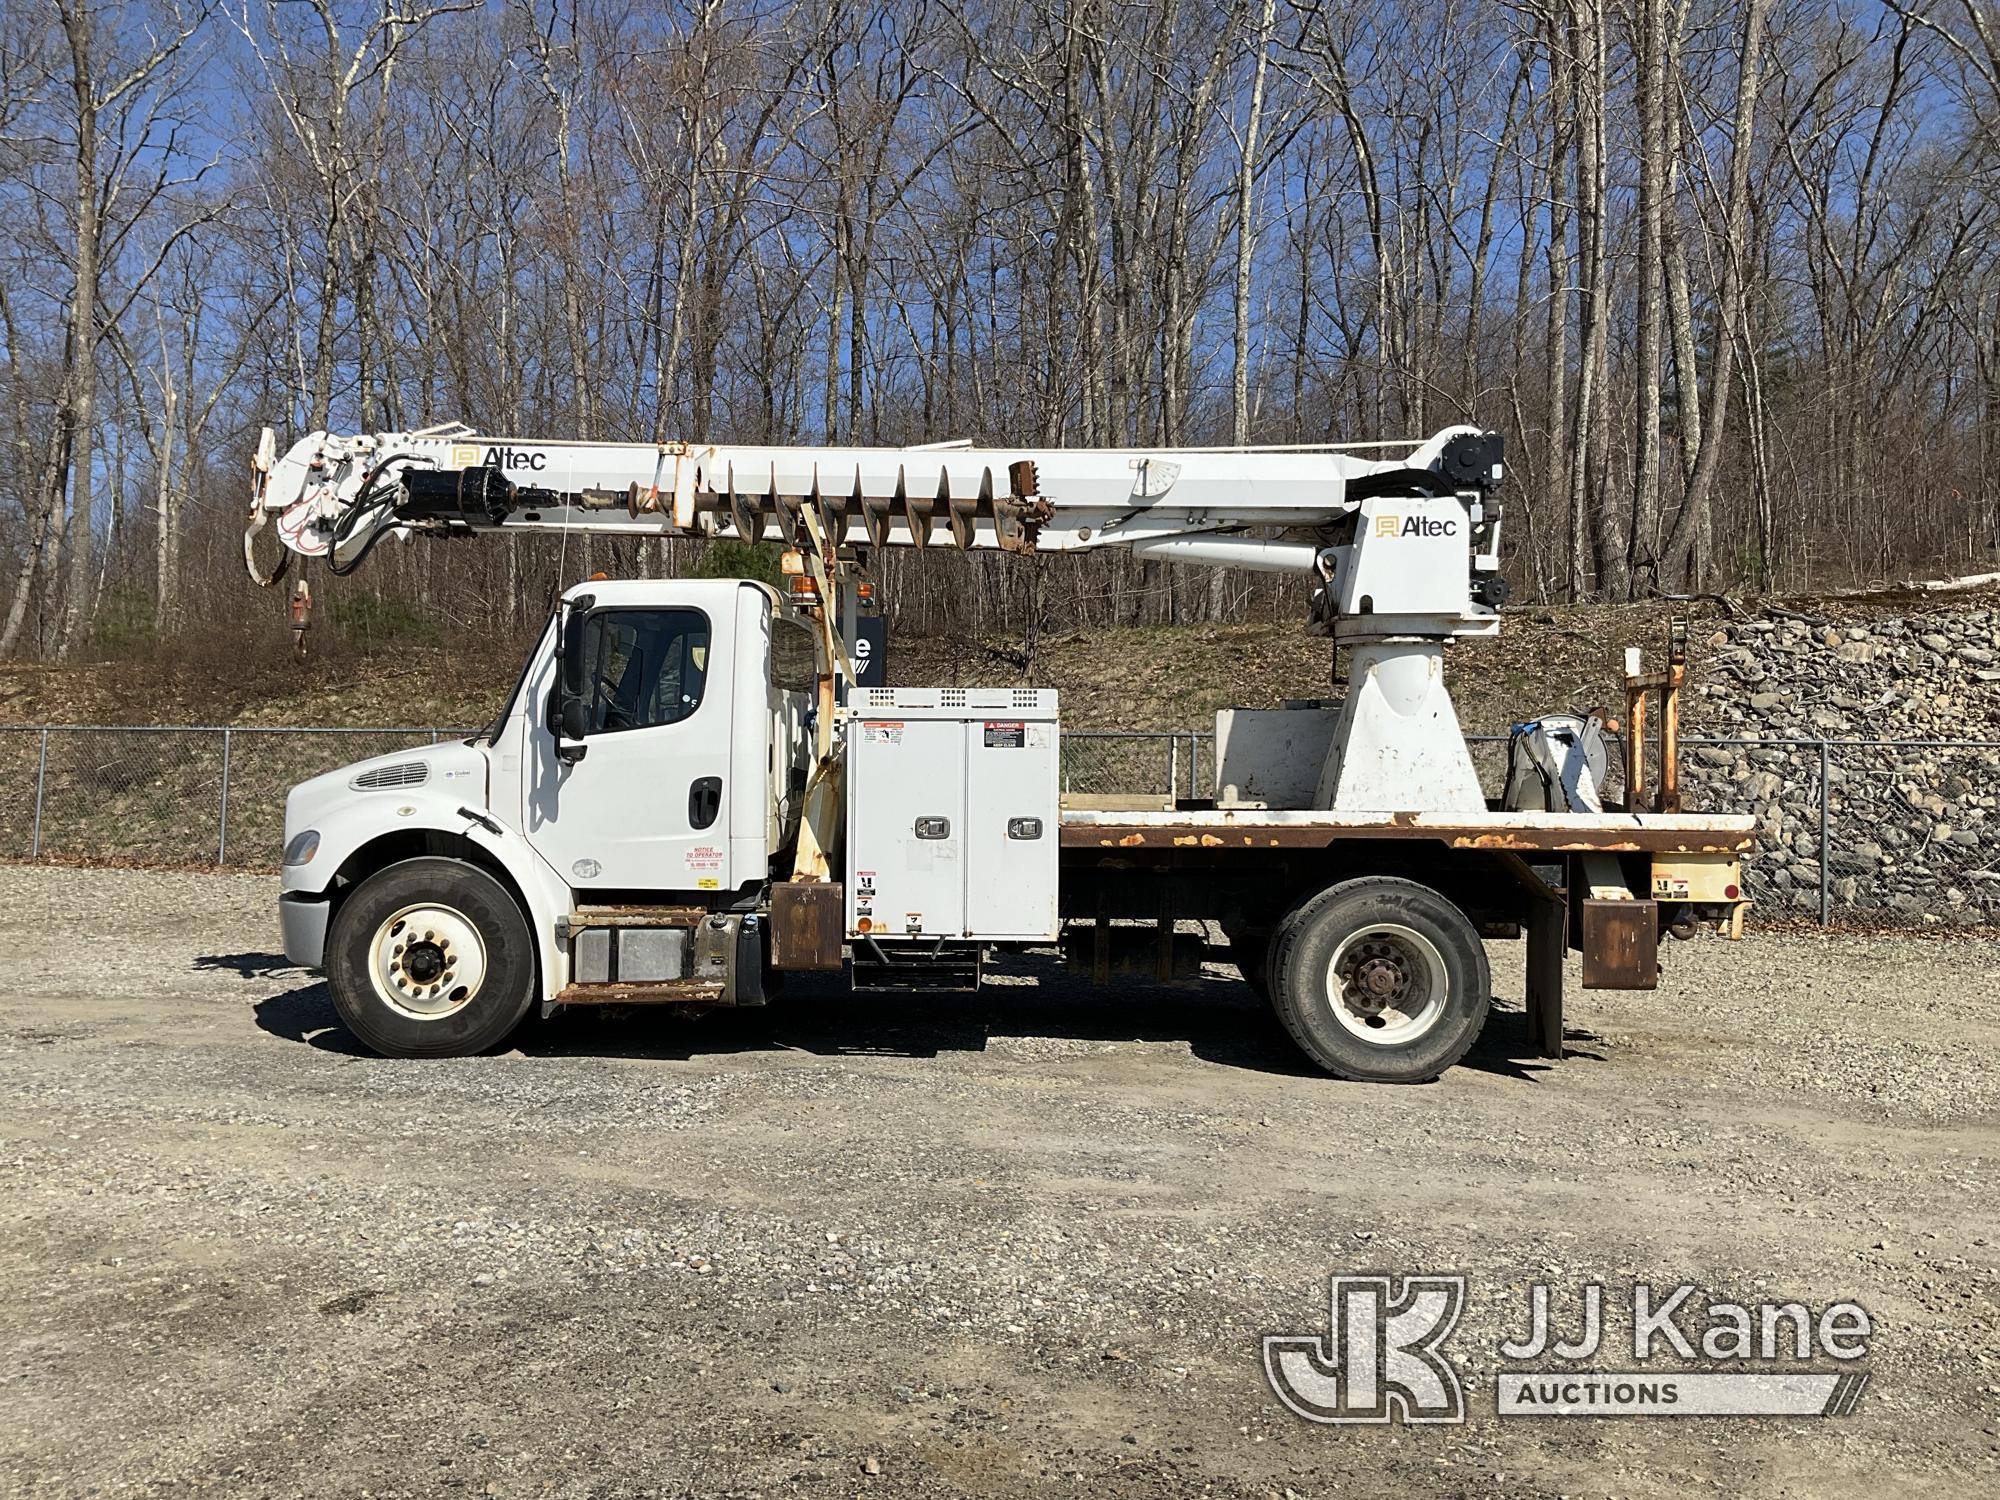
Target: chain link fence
[[1881, 831], [159, 794], [1144, 765], [1884, 831]]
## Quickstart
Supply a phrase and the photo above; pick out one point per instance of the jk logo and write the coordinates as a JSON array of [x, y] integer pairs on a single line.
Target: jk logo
[[1382, 1362]]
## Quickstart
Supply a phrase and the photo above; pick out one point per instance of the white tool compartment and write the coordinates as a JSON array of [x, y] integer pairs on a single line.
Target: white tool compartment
[[952, 813]]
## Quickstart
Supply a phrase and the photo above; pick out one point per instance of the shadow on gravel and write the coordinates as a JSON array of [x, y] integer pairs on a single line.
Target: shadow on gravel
[[1506, 1049], [246, 965], [306, 1014], [1221, 1020], [1218, 1020]]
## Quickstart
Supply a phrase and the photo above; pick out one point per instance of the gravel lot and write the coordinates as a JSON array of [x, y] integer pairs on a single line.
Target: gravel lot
[[1019, 1244]]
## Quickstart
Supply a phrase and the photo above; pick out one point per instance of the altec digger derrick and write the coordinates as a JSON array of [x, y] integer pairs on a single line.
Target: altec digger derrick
[[903, 835], [332, 496]]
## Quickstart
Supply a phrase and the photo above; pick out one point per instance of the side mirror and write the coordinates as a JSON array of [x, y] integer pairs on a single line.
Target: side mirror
[[572, 715], [570, 647], [572, 724]]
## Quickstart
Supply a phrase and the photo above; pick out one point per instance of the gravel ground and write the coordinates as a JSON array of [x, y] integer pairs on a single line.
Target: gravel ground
[[1017, 1244]]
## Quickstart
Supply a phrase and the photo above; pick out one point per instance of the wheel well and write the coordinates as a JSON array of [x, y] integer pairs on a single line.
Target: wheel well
[[1254, 889], [413, 843], [1489, 887]]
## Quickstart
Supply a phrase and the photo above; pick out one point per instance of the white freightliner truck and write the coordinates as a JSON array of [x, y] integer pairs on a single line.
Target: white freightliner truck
[[683, 800]]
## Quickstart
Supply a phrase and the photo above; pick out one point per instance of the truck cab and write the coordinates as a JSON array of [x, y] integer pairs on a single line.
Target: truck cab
[[653, 755]]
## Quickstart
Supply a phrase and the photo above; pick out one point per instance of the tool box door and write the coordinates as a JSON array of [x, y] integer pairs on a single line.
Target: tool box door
[[1013, 828], [906, 831]]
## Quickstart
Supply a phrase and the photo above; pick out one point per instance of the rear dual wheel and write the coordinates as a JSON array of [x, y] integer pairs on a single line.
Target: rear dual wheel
[[1380, 980]]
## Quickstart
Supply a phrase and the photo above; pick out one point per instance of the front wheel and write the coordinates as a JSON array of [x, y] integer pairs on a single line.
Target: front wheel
[[430, 958], [1380, 980]]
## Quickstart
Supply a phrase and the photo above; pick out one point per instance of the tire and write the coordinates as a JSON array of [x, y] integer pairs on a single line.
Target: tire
[[1416, 991], [409, 939]]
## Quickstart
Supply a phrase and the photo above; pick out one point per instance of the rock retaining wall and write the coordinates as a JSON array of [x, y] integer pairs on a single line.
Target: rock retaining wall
[[1912, 829]]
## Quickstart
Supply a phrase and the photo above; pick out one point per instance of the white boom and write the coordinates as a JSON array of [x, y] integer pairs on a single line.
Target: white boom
[[1404, 539]]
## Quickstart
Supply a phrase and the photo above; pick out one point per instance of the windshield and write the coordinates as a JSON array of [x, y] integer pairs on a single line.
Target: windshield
[[491, 733]]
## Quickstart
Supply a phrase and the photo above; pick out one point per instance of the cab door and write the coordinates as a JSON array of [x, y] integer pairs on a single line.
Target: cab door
[[645, 807]]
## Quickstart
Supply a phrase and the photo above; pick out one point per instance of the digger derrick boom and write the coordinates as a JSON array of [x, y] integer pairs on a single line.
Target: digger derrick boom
[[335, 496]]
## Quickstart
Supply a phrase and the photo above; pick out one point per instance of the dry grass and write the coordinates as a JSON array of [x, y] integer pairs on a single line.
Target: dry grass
[[1157, 678]]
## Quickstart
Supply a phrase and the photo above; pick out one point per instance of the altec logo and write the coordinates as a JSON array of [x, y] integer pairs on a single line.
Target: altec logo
[[1393, 525], [475, 456]]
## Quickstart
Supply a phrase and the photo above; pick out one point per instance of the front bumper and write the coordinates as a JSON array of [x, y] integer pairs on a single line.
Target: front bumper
[[303, 919]]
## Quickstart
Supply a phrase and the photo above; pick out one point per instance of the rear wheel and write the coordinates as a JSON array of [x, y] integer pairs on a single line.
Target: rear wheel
[[1380, 980], [430, 958]]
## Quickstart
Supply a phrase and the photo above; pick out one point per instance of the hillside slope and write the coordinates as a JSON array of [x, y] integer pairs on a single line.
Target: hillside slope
[[1544, 659]]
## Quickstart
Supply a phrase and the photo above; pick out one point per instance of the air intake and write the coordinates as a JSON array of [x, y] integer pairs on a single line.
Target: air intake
[[384, 778]]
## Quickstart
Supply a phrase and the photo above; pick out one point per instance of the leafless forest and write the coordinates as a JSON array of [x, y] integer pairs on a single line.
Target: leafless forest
[[1727, 272]]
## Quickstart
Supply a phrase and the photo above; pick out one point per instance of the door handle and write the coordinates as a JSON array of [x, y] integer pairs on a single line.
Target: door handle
[[704, 801]]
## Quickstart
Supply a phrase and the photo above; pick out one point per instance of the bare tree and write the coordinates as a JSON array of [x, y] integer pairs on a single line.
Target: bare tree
[[1729, 251], [1728, 275], [117, 72]]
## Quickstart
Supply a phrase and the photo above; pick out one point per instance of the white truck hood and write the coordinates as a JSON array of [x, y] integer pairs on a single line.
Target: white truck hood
[[453, 772]]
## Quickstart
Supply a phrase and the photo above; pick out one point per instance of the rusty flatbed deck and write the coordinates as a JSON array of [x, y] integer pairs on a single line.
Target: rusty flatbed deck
[[1516, 832]]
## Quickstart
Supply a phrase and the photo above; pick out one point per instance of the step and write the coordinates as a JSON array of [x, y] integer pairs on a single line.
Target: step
[[629, 916], [881, 969], [662, 992]]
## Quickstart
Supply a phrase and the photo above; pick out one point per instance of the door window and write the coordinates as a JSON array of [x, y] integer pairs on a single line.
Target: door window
[[644, 667]]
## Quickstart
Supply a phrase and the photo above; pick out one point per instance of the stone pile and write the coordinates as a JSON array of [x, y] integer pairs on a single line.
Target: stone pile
[[1913, 830]]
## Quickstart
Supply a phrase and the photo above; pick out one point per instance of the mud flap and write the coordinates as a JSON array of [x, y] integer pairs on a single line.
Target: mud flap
[[1621, 945], [806, 924]]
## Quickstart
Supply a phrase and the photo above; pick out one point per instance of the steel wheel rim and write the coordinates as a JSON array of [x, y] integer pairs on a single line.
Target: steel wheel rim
[[1387, 984], [427, 961]]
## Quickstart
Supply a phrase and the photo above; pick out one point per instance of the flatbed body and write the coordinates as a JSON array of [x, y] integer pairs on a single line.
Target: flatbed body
[[1523, 833]]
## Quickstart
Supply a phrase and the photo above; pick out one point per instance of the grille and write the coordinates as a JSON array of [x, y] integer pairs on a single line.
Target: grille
[[403, 773]]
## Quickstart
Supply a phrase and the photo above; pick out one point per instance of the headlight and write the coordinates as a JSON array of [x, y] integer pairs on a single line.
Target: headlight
[[302, 847]]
